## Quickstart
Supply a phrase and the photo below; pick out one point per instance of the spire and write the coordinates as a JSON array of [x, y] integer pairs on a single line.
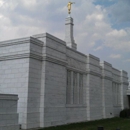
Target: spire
[[69, 33]]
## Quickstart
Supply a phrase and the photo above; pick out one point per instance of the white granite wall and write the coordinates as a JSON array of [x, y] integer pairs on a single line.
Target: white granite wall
[[8, 112], [14, 80], [95, 93], [37, 72], [15, 72], [34, 88], [55, 95], [97, 84], [53, 81], [124, 88], [95, 89], [107, 90], [108, 98]]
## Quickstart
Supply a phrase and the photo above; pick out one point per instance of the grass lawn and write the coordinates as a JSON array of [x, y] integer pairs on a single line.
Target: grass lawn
[[108, 124]]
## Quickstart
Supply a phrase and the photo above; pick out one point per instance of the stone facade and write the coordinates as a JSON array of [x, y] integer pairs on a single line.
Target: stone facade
[[8, 112], [56, 84]]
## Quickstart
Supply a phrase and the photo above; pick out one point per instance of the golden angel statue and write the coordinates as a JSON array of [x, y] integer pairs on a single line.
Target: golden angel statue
[[69, 7]]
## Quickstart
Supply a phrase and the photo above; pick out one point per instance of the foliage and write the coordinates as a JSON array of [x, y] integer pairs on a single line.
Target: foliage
[[125, 113]]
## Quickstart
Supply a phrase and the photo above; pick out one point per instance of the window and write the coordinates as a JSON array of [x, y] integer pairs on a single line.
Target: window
[[68, 89], [116, 94], [74, 90], [80, 88]]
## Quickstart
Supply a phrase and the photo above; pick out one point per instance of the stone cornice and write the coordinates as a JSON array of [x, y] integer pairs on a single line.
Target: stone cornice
[[35, 56], [21, 41], [47, 35], [84, 72], [105, 63], [115, 69], [21, 56], [16, 56], [107, 77], [76, 51], [76, 59], [54, 60], [104, 69], [93, 57], [94, 65], [76, 70], [8, 97], [63, 52], [94, 73]]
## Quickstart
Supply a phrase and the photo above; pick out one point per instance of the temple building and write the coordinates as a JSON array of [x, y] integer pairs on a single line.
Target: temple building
[[56, 84]]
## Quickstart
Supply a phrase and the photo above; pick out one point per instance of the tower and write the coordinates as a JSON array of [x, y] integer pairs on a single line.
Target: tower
[[69, 29], [69, 38]]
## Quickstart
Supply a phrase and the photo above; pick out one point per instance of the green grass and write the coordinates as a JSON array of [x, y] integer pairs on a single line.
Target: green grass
[[108, 124]]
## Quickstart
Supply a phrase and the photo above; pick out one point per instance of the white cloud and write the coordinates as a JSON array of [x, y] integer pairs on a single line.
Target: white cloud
[[98, 48], [117, 33], [1, 3], [97, 17], [91, 22], [92, 26], [115, 56]]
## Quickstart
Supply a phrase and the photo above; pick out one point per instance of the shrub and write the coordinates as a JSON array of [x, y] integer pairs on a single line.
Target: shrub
[[125, 113]]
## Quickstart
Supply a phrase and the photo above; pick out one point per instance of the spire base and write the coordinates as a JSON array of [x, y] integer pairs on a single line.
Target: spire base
[[69, 33]]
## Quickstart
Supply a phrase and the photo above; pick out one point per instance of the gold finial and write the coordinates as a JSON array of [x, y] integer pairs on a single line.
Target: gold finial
[[69, 7]]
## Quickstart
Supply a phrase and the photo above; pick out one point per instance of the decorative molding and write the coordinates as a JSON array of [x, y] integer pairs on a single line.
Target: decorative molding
[[76, 70], [47, 35], [36, 41], [21, 41], [94, 65], [8, 97], [76, 51], [16, 56], [106, 77], [55, 49], [75, 59], [35, 56], [94, 73], [105, 63], [93, 57], [104, 69], [54, 60]]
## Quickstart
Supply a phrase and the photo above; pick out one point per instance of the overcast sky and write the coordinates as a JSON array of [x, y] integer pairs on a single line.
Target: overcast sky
[[101, 27]]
